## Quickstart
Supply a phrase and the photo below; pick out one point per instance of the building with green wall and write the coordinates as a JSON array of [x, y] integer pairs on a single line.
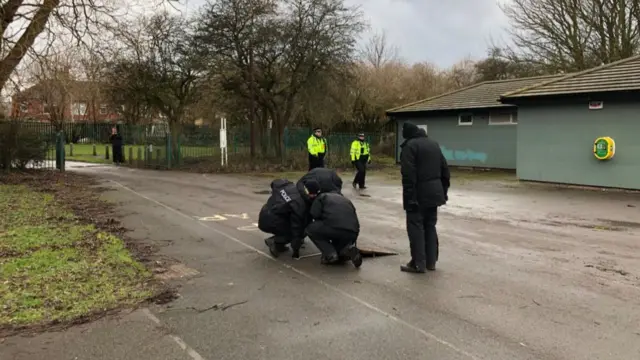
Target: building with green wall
[[471, 125], [560, 119]]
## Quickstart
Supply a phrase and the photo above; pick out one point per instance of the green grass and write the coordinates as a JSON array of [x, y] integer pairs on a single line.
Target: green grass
[[53, 268], [84, 152]]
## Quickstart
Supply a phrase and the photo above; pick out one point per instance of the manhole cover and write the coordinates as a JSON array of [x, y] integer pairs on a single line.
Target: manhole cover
[[176, 272], [372, 251]]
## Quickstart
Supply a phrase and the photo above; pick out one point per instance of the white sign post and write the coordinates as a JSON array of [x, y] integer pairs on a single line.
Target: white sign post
[[224, 155]]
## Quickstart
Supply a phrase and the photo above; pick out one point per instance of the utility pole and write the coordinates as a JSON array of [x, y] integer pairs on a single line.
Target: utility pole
[[252, 92]]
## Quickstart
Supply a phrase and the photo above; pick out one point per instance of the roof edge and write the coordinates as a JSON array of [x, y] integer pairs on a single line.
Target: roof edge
[[515, 93], [395, 109]]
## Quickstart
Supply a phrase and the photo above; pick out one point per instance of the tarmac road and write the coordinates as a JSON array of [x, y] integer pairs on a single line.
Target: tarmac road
[[524, 273]]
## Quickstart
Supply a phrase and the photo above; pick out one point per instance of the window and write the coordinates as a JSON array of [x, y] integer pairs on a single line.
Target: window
[[503, 118], [103, 109], [465, 119], [79, 109]]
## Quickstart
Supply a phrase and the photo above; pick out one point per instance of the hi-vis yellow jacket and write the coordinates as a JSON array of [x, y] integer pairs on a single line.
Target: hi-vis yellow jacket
[[316, 145], [359, 148]]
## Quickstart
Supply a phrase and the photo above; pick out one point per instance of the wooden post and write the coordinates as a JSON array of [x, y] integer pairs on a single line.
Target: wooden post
[[70, 149], [131, 156], [95, 152], [106, 152], [139, 159]]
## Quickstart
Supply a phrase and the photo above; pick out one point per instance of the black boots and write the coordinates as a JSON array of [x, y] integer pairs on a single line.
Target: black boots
[[275, 248], [353, 254], [412, 268]]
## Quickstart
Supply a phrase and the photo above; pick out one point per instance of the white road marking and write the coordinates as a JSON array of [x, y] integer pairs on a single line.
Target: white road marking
[[309, 255], [211, 218], [188, 349], [252, 227], [243, 216], [311, 277]]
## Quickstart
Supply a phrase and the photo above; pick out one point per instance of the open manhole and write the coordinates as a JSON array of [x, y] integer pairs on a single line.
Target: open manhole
[[263, 192], [373, 251]]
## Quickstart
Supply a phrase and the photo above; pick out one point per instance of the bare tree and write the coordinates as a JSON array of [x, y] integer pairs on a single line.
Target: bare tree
[[158, 69], [463, 73], [570, 35], [289, 44], [54, 87], [378, 52]]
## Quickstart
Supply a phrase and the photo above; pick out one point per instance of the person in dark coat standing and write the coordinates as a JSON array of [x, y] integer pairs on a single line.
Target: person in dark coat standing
[[285, 215], [335, 228], [425, 184], [327, 178], [116, 146]]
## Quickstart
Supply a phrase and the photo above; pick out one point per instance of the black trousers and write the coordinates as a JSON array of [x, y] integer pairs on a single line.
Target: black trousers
[[316, 161], [423, 237], [328, 240], [118, 156], [361, 172]]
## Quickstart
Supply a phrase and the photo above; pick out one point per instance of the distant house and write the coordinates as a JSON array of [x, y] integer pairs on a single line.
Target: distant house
[[79, 101], [472, 126], [560, 120]]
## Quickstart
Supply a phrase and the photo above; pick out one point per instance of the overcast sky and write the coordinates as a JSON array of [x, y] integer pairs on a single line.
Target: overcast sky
[[439, 31]]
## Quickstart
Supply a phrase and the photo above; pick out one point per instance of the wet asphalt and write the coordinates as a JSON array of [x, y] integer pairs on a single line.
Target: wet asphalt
[[525, 272]]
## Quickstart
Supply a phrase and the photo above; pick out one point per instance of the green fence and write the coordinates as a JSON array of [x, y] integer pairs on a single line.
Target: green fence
[[152, 146], [30, 145]]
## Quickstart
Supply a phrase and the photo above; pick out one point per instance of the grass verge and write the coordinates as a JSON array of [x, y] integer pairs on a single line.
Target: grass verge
[[56, 267]]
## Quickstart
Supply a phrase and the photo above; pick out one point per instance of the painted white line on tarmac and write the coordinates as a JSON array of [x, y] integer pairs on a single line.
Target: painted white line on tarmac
[[183, 345], [309, 276]]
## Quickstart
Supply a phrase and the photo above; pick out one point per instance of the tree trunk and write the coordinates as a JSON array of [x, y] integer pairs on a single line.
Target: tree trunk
[[175, 130], [19, 50]]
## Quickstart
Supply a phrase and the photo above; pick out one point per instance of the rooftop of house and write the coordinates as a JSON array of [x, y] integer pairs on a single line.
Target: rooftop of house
[[622, 75], [76, 88], [482, 95]]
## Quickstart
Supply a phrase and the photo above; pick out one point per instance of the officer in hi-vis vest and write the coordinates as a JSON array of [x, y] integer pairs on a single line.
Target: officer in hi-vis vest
[[317, 147], [360, 157]]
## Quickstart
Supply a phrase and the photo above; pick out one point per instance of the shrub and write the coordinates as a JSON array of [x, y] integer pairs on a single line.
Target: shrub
[[21, 146]]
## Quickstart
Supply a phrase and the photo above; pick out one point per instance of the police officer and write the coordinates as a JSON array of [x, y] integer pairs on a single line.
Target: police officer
[[335, 228], [317, 148], [360, 157], [285, 214], [327, 178]]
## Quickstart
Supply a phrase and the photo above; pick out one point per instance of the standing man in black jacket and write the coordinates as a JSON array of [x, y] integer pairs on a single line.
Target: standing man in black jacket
[[425, 183], [335, 228], [285, 215]]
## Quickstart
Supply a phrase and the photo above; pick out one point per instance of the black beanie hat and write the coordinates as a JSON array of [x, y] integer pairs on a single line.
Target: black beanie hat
[[312, 186]]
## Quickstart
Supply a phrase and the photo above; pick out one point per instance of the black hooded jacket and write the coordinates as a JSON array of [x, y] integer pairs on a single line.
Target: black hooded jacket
[[335, 211], [327, 178], [286, 211], [425, 173]]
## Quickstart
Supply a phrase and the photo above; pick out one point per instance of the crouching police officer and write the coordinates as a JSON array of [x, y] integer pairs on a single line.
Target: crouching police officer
[[335, 229], [285, 214], [328, 179]]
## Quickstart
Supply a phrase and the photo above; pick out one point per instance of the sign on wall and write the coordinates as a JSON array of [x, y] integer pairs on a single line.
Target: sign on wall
[[596, 105]]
